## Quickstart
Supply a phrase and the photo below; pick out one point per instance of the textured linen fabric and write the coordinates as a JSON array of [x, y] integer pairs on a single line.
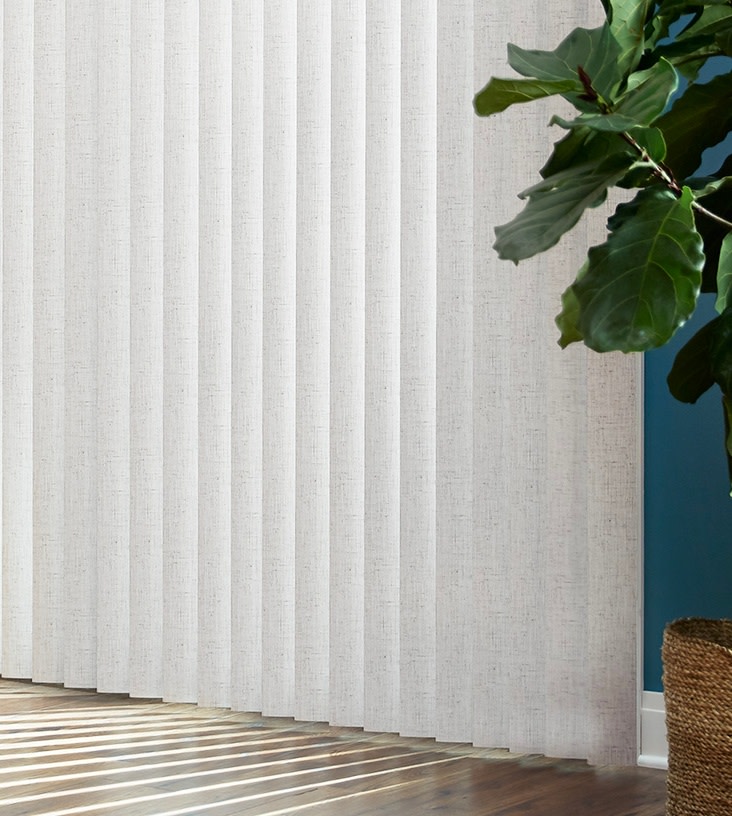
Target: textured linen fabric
[[279, 431]]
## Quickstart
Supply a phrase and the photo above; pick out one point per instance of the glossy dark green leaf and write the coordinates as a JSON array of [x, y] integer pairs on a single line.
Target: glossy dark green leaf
[[555, 205], [713, 233], [721, 352], [707, 185], [644, 281], [712, 21], [641, 174], [658, 27], [724, 42], [727, 409], [612, 123], [689, 56], [648, 93], [595, 50], [691, 373], [690, 48], [724, 276], [627, 25], [580, 146], [500, 94], [669, 12], [567, 320], [699, 119], [687, 6], [652, 141]]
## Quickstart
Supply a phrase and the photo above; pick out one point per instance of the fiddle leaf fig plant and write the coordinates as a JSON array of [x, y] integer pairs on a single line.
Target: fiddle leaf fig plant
[[644, 113]]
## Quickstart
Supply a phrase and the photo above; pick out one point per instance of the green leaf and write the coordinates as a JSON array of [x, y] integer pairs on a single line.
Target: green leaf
[[724, 42], [647, 97], [644, 101], [609, 122], [580, 146], [500, 94], [641, 173], [727, 408], [712, 232], [699, 119], [712, 21], [721, 352], [596, 50], [657, 28], [691, 374], [689, 50], [652, 141], [568, 318], [627, 27], [724, 276], [644, 281], [668, 13], [681, 8], [707, 185], [555, 205], [687, 6]]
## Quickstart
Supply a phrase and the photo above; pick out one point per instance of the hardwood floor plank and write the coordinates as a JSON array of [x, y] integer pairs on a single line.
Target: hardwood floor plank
[[67, 752]]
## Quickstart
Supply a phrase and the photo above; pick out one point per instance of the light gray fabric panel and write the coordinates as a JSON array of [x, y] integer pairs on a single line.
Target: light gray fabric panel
[[454, 612], [17, 338], [113, 348], [80, 344], [347, 363], [312, 398], [382, 368], [147, 421], [247, 353], [280, 432], [214, 355], [49, 218], [279, 488], [180, 352]]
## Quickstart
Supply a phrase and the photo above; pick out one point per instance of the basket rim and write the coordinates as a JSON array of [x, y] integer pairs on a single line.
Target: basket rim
[[681, 629]]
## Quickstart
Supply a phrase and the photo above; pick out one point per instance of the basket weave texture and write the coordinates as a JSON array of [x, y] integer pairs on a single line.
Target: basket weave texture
[[697, 659]]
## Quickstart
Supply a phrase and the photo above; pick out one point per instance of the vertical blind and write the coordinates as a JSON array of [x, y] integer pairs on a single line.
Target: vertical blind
[[279, 432]]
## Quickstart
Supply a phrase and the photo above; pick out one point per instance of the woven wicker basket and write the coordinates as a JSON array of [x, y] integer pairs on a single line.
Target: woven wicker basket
[[697, 659]]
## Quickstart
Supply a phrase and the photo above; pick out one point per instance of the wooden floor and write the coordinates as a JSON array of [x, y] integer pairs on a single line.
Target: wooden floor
[[66, 752]]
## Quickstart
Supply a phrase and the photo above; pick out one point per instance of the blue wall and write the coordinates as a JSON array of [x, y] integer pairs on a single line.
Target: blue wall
[[688, 510]]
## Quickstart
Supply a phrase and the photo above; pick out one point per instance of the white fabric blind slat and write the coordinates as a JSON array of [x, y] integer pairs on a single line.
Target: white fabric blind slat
[[418, 368], [49, 218], [80, 343], [247, 339], [279, 432], [279, 388], [454, 397], [347, 362], [214, 360], [17, 337], [382, 318], [312, 397], [113, 349], [147, 248], [180, 357]]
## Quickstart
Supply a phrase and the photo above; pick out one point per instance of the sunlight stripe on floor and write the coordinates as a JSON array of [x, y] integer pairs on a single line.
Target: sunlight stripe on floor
[[182, 763], [160, 797]]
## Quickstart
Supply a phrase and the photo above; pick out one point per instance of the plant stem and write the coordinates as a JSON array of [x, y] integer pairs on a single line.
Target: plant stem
[[658, 170], [709, 214], [717, 52], [666, 176]]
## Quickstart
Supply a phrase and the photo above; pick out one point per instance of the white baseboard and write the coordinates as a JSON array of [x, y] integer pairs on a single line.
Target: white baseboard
[[654, 748]]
